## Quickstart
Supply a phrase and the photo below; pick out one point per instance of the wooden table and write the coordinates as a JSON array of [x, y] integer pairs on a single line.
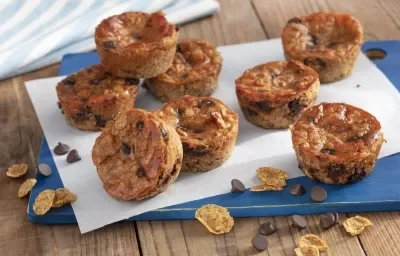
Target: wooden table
[[239, 21]]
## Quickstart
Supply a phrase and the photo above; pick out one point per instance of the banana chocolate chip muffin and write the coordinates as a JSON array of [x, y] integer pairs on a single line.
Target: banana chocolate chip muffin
[[136, 44], [137, 155], [337, 143], [273, 95], [91, 97], [207, 128], [194, 72], [327, 42]]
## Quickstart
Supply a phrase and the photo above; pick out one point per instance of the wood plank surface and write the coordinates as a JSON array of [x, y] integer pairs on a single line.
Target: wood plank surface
[[239, 21]]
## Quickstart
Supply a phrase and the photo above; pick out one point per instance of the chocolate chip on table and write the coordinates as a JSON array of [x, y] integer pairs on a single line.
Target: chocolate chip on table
[[69, 80], [267, 228], [237, 186], [131, 81], [61, 149], [259, 242], [327, 220], [44, 169], [318, 194], [73, 156], [299, 222], [294, 20], [109, 44], [139, 126], [126, 148], [297, 190], [140, 172], [358, 85]]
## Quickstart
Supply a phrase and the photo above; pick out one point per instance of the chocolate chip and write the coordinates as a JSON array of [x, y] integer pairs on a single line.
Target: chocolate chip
[[81, 116], [267, 228], [109, 44], [352, 139], [314, 39], [357, 176], [61, 149], [299, 222], [184, 75], [73, 156], [331, 45], [137, 36], [318, 194], [206, 103], [139, 126], [336, 217], [294, 20], [140, 172], [198, 130], [358, 86], [250, 112], [198, 150], [100, 121], [310, 119], [327, 220], [263, 105], [273, 76], [95, 81], [131, 81], [237, 186], [126, 148], [259, 242], [177, 28], [44, 169], [58, 104], [297, 190], [69, 80], [180, 112], [328, 151], [316, 63], [295, 107], [336, 171]]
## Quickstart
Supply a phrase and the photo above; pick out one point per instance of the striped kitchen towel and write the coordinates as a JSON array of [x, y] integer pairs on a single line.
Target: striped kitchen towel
[[37, 33]]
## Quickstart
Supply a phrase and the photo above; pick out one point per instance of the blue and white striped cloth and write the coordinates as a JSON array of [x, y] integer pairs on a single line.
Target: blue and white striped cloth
[[37, 33]]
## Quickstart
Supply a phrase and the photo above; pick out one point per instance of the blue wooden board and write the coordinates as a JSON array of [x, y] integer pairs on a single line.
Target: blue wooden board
[[378, 192]]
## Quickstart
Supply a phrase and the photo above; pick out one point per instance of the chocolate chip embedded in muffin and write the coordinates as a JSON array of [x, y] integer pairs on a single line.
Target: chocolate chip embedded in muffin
[[194, 71], [276, 103], [133, 164], [327, 42], [136, 44], [328, 155], [207, 128]]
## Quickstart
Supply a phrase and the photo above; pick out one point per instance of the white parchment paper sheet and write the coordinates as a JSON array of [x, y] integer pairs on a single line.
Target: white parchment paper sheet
[[255, 147]]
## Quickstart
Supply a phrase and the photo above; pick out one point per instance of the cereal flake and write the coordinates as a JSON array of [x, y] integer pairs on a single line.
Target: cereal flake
[[26, 187], [264, 187], [215, 218], [43, 202], [63, 196], [313, 240], [356, 225], [17, 170], [272, 176]]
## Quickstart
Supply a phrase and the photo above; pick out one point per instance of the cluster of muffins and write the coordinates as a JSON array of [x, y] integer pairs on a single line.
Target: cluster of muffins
[[139, 154]]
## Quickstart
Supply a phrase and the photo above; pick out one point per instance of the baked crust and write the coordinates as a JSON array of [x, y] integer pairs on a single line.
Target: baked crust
[[92, 97], [207, 127], [337, 143], [137, 155], [136, 44], [273, 95], [194, 72], [327, 42]]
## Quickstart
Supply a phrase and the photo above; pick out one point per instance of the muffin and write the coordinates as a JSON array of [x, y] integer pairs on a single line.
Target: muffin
[[337, 143], [327, 42], [137, 155], [135, 44], [273, 95], [92, 97], [194, 72], [207, 128]]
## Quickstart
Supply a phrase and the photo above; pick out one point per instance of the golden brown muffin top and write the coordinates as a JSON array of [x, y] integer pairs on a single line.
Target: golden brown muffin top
[[130, 154], [194, 60], [93, 86], [336, 131], [276, 81], [199, 121], [135, 31], [322, 34]]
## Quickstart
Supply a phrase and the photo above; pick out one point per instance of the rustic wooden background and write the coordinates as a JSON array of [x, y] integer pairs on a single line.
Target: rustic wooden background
[[239, 21]]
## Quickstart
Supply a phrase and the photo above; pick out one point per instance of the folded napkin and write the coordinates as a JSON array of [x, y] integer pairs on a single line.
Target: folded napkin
[[37, 33]]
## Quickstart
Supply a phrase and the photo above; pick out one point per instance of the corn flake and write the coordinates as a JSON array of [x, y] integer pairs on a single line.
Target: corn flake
[[307, 251], [215, 218], [44, 201], [26, 187], [17, 170], [313, 240], [356, 225], [264, 187], [63, 196], [272, 176]]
